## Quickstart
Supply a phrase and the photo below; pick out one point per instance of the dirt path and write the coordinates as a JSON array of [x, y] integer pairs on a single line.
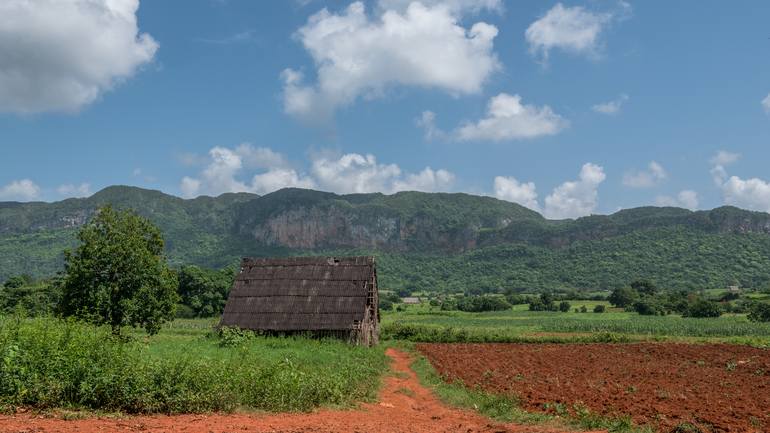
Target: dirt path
[[404, 406]]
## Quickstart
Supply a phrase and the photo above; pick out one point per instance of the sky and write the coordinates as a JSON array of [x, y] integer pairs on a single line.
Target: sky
[[569, 108]]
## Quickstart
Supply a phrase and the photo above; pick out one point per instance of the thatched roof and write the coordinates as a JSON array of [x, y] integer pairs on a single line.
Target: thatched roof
[[302, 293]]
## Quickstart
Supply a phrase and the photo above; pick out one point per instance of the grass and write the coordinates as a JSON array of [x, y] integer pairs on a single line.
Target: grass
[[50, 363], [421, 323]]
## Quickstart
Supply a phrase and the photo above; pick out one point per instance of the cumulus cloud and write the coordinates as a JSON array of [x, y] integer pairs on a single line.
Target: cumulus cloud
[[572, 29], [227, 170], [752, 193], [510, 189], [611, 107], [576, 198], [72, 190], [20, 190], [654, 175], [427, 121], [766, 103], [508, 119], [60, 55], [358, 56], [457, 7], [687, 199], [355, 173], [225, 167]]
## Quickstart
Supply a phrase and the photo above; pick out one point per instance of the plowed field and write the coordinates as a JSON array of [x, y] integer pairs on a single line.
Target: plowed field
[[718, 387]]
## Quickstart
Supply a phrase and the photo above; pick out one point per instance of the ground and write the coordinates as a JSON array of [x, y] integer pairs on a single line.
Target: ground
[[403, 406], [716, 387]]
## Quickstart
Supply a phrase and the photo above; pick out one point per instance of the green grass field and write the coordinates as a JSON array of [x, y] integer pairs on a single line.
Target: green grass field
[[50, 363], [519, 324]]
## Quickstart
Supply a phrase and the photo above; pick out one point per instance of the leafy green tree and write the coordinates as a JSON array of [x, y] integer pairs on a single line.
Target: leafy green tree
[[644, 287], [703, 308], [118, 274], [544, 302], [649, 306], [623, 297], [564, 306], [759, 312], [600, 308], [205, 291]]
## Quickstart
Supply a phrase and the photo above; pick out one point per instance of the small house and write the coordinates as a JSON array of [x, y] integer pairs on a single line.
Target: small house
[[320, 296]]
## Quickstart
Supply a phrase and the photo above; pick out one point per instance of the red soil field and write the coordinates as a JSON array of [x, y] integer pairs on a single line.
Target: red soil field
[[717, 387], [403, 406]]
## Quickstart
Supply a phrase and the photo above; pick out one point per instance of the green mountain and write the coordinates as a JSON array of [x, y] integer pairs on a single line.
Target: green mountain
[[424, 241]]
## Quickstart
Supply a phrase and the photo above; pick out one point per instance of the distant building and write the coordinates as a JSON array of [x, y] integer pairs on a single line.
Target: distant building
[[733, 289], [411, 300], [323, 296]]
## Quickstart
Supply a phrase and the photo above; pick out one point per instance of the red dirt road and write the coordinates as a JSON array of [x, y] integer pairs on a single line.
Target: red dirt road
[[718, 387], [403, 406]]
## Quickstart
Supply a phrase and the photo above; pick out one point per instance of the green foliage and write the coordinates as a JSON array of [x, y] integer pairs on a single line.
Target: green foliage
[[649, 306], [48, 363], [600, 308], [477, 304], [623, 297], [205, 291], [644, 287], [544, 302], [118, 274], [564, 306], [31, 297], [759, 312], [703, 308]]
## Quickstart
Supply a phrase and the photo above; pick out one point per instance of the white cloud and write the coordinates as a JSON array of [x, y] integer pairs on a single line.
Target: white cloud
[[572, 29], [457, 7], [577, 198], [427, 121], [72, 190], [356, 56], [687, 199], [355, 173], [509, 119], [718, 162], [510, 189], [20, 190], [654, 175], [60, 55], [226, 169], [752, 193], [766, 103], [611, 107]]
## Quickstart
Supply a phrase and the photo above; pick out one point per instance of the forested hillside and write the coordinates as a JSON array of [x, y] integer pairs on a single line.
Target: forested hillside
[[430, 241]]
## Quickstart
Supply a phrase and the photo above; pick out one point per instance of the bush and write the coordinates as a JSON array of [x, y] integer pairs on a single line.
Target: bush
[[583, 309], [759, 312], [649, 307], [543, 303], [600, 309], [623, 297], [703, 308], [564, 306]]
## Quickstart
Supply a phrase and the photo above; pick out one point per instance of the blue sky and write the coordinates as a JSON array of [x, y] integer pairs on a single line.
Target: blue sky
[[569, 108]]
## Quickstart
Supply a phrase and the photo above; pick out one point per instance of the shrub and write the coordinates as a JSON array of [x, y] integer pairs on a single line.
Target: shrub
[[759, 312], [703, 308], [649, 307], [543, 303], [600, 308], [623, 297], [477, 304], [583, 309], [564, 306]]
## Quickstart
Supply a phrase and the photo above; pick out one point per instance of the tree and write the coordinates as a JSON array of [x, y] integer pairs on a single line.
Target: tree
[[703, 308], [564, 306], [118, 275], [759, 312], [623, 297], [600, 308], [644, 287], [205, 291]]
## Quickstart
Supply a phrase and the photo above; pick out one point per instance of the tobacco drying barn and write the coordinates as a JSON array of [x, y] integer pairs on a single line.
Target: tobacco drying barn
[[323, 296]]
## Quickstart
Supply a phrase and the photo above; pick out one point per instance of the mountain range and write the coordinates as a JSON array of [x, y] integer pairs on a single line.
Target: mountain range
[[423, 241]]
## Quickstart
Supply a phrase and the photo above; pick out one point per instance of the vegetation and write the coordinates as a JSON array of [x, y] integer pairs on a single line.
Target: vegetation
[[204, 292], [118, 274], [683, 250], [47, 363], [759, 312]]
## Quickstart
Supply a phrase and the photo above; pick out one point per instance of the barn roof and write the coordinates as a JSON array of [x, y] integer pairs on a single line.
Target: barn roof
[[299, 293]]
